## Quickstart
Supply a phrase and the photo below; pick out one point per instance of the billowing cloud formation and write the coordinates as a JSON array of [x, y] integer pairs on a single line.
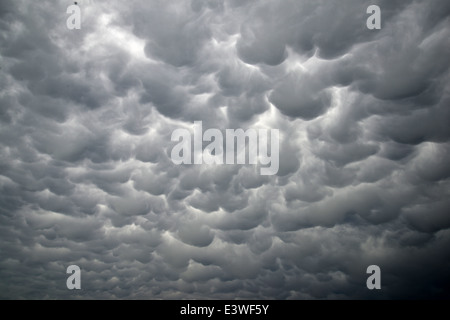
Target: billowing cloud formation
[[86, 177]]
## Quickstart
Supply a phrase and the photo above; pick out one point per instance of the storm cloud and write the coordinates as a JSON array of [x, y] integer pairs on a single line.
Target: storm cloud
[[86, 177]]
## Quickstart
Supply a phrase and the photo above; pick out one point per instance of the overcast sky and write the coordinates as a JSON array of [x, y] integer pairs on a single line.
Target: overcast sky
[[86, 178]]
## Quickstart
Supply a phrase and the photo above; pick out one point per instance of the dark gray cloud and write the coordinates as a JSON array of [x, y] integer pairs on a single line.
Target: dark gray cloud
[[86, 118]]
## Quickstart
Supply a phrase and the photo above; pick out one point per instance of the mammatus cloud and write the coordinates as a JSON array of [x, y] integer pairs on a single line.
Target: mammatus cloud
[[86, 175]]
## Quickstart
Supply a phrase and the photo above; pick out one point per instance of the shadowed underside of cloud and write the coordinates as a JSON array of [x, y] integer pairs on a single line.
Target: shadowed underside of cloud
[[86, 118]]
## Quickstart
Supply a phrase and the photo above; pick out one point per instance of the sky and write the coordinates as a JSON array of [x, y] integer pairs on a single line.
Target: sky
[[86, 177]]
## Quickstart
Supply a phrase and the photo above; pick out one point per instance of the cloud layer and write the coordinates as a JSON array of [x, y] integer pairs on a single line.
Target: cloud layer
[[86, 177]]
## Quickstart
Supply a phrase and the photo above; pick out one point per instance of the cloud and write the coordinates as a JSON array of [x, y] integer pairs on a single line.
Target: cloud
[[86, 118]]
